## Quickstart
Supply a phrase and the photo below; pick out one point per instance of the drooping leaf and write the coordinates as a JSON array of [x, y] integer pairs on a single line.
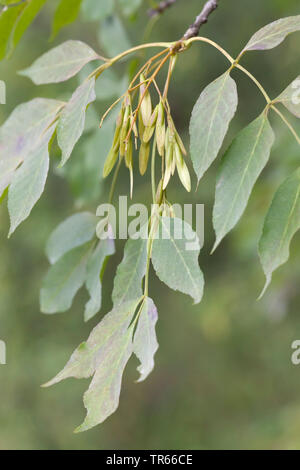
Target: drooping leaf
[[22, 133], [73, 232], [241, 166], [8, 20], [94, 10], [174, 262], [281, 223], [28, 183], [145, 343], [210, 119], [290, 97], [60, 63], [130, 272], [95, 265], [66, 12], [273, 34], [71, 123], [24, 20], [63, 280], [129, 7], [112, 27], [104, 355], [84, 170]]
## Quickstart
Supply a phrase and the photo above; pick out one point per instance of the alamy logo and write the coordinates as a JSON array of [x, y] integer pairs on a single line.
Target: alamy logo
[[296, 94], [295, 358], [2, 353], [2, 92]]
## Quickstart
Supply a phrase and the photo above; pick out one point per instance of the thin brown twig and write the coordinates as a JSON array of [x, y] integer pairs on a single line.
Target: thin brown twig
[[161, 8], [201, 19]]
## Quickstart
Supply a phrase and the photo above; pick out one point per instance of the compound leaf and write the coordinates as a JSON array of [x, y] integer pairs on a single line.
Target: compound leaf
[[24, 20], [145, 343], [8, 19], [210, 119], [22, 132], [28, 183], [241, 166], [273, 34], [130, 272], [95, 267], [63, 280], [73, 232], [104, 355], [66, 12], [72, 119], [175, 257], [281, 223], [60, 63], [290, 97]]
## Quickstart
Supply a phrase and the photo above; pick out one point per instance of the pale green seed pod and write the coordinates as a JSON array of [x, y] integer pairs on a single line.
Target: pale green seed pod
[[159, 192], [182, 169], [124, 130], [144, 157], [110, 161], [149, 130], [141, 126], [160, 129], [119, 122], [128, 153], [168, 161], [180, 143], [146, 105]]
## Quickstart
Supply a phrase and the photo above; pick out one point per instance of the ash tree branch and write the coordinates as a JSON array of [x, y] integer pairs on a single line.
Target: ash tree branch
[[161, 7], [201, 19]]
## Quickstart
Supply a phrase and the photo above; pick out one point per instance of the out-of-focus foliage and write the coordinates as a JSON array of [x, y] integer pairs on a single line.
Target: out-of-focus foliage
[[223, 378]]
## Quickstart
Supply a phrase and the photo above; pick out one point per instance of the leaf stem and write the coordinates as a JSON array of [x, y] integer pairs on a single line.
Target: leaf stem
[[212, 43], [289, 125], [98, 70], [257, 83]]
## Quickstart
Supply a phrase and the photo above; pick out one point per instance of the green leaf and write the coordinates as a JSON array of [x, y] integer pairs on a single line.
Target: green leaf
[[72, 119], [94, 10], [129, 7], [60, 63], [241, 166], [273, 34], [290, 97], [281, 224], [95, 265], [22, 133], [174, 262], [73, 232], [145, 343], [24, 20], [66, 12], [84, 171], [130, 272], [210, 119], [112, 27], [63, 280], [8, 19], [104, 355], [28, 183]]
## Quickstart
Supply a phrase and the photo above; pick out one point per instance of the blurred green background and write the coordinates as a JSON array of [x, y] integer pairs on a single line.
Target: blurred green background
[[223, 377]]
